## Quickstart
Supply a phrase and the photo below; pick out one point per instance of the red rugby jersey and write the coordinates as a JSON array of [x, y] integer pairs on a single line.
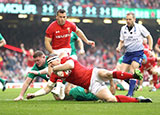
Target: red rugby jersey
[[80, 74], [60, 35]]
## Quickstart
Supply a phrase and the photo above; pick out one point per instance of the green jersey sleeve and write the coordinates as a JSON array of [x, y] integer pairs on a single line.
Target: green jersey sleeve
[[1, 37], [36, 68], [74, 38]]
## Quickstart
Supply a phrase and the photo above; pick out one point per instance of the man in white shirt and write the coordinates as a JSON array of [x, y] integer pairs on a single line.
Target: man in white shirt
[[131, 37]]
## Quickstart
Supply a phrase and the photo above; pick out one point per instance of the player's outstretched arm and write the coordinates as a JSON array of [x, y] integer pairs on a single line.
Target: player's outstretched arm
[[24, 89], [23, 49], [81, 46], [81, 35], [42, 91], [43, 71], [68, 65]]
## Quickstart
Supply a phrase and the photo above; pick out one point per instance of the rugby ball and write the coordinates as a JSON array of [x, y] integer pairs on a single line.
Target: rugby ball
[[64, 73]]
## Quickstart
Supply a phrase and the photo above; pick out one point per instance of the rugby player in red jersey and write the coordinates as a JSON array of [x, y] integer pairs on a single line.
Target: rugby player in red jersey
[[58, 37], [29, 57], [58, 34], [91, 79], [149, 65]]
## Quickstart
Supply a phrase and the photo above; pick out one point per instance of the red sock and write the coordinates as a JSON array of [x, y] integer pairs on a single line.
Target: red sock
[[155, 78], [122, 75], [125, 99], [158, 86]]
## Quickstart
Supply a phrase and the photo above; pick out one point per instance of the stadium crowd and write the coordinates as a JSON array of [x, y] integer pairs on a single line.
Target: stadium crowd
[[89, 3]]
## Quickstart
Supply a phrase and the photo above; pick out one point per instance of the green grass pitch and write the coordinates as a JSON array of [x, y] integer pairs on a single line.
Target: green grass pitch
[[45, 105]]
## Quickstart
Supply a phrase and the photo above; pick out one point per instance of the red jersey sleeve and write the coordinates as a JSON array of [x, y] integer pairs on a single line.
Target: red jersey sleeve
[[73, 26], [53, 77], [152, 60], [64, 59], [49, 31], [158, 41]]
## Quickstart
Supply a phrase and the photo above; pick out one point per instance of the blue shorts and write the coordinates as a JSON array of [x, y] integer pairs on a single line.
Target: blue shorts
[[137, 56]]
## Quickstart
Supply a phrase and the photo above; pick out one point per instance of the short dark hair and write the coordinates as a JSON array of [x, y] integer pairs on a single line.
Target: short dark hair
[[60, 11], [38, 53], [131, 13]]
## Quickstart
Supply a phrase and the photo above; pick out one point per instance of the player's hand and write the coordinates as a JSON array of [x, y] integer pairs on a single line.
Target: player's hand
[[118, 49], [30, 96], [18, 98], [92, 43], [81, 52], [21, 45]]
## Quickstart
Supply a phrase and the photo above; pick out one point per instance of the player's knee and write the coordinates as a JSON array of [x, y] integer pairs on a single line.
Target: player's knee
[[104, 73], [111, 99]]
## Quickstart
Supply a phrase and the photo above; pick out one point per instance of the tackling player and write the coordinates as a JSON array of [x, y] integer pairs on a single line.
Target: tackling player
[[91, 79], [40, 68], [78, 93]]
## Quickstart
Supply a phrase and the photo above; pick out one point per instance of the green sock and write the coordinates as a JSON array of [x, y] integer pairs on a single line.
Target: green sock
[[2, 81]]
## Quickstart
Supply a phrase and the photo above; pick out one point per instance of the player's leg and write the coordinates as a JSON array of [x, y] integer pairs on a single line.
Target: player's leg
[[155, 78], [104, 94], [98, 88], [140, 85], [158, 86], [3, 83], [106, 74], [132, 82]]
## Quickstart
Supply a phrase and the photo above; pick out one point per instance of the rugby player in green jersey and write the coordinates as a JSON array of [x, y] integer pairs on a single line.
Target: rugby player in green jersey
[[74, 39], [40, 68]]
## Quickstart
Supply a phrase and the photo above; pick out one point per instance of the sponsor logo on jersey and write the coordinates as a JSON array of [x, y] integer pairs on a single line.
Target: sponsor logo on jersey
[[63, 36], [57, 31]]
